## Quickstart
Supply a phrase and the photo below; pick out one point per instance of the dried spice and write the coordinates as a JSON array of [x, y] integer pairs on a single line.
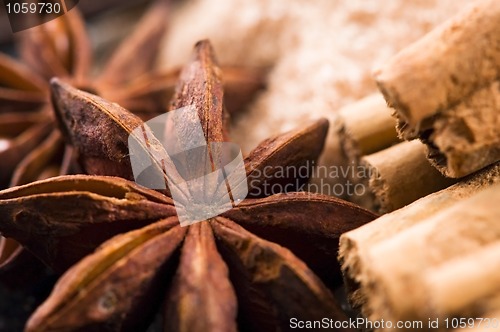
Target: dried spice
[[399, 175], [447, 236], [445, 90], [61, 48], [29, 147], [243, 269]]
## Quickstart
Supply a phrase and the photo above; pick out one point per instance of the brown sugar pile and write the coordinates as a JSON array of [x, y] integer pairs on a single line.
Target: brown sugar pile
[[322, 52]]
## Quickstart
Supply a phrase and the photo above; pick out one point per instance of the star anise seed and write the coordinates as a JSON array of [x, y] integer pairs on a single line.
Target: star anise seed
[[227, 277], [29, 147]]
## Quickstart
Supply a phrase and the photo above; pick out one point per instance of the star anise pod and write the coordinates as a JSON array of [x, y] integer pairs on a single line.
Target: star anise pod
[[61, 48], [30, 148], [254, 267]]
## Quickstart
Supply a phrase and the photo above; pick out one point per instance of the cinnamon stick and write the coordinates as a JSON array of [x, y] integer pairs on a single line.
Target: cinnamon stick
[[466, 137], [436, 234], [448, 64], [459, 284], [391, 176], [398, 176], [365, 127], [445, 89]]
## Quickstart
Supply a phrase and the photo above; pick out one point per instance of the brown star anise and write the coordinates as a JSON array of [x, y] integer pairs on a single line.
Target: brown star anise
[[253, 267], [30, 148], [61, 48]]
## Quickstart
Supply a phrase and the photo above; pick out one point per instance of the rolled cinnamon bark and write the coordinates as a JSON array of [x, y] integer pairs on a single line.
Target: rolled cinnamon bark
[[436, 234], [466, 137], [445, 90], [465, 285], [365, 127], [442, 68], [400, 175], [393, 176]]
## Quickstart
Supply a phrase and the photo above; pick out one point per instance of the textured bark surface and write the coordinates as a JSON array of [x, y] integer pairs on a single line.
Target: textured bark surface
[[400, 175], [466, 137], [445, 90], [440, 234], [444, 67], [365, 127]]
